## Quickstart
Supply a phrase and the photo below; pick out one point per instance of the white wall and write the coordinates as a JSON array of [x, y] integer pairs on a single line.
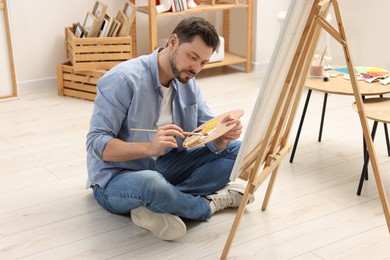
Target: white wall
[[38, 32], [367, 30], [366, 25], [266, 29]]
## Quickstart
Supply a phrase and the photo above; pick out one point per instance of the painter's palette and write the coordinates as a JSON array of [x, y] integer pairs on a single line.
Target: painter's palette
[[211, 130]]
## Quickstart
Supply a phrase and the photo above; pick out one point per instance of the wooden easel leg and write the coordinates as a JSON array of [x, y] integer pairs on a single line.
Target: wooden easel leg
[[236, 222], [269, 189], [293, 76], [362, 116]]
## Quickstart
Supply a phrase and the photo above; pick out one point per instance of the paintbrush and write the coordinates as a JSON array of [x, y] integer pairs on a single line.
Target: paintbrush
[[154, 131], [322, 56]]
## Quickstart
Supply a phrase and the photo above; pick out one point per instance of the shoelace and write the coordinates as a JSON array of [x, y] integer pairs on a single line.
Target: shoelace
[[223, 201]]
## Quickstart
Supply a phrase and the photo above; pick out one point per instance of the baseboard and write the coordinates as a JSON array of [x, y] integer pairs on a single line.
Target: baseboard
[[39, 83], [260, 67]]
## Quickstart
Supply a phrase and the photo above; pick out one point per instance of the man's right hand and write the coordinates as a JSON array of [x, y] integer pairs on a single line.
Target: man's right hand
[[164, 139]]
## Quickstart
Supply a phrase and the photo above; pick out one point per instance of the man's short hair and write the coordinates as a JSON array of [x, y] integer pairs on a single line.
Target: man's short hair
[[190, 27]]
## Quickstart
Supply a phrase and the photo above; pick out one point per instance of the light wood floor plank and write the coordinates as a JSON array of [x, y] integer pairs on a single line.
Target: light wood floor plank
[[314, 212]]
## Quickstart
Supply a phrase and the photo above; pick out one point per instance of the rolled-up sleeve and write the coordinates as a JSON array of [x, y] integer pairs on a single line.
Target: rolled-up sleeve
[[108, 114]]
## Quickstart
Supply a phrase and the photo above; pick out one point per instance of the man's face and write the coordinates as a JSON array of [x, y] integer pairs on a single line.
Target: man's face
[[188, 59]]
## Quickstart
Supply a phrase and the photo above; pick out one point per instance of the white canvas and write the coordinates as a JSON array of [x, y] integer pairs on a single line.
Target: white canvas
[[289, 37]]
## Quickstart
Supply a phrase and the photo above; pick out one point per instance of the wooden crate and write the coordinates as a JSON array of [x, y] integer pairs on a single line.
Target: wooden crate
[[80, 84], [96, 53]]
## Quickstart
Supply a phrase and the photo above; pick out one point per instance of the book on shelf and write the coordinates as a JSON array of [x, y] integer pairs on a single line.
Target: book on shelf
[[178, 5]]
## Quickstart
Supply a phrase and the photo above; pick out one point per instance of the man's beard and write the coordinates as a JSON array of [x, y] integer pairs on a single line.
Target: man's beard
[[176, 71]]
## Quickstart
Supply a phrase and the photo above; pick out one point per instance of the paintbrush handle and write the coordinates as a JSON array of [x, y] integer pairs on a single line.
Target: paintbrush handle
[[322, 56], [154, 131]]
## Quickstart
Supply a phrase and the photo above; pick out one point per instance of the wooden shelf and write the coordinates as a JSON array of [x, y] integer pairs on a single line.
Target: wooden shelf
[[230, 58], [198, 9]]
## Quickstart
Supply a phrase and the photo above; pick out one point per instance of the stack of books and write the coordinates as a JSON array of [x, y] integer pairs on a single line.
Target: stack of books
[[174, 5], [178, 5]]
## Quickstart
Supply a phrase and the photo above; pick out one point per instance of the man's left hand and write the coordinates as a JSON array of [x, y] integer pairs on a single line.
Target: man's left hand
[[222, 141]]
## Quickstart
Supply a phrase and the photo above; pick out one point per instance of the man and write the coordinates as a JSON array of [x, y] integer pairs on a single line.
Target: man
[[150, 175]]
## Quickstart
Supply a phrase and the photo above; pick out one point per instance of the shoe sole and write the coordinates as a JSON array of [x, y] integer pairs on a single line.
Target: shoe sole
[[162, 225]]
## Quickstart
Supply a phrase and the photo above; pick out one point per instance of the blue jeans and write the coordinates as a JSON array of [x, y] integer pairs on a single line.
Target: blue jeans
[[176, 186]]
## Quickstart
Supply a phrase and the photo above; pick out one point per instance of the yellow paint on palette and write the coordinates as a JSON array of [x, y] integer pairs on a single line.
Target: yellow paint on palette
[[210, 126]]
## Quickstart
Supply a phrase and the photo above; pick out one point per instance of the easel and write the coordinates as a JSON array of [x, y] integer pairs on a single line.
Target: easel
[[14, 91], [269, 153]]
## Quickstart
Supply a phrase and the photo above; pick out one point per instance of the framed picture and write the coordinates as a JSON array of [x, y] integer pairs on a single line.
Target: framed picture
[[107, 23], [122, 19], [129, 10], [79, 30], [113, 31], [126, 17], [99, 9], [89, 22]]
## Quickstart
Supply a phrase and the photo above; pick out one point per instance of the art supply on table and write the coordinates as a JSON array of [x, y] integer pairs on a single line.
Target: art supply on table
[[326, 77], [372, 79], [317, 67], [367, 74], [316, 71], [322, 56], [385, 81]]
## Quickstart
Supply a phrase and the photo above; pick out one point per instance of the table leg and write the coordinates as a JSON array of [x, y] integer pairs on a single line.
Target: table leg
[[366, 160], [387, 139], [386, 134], [322, 116], [300, 125]]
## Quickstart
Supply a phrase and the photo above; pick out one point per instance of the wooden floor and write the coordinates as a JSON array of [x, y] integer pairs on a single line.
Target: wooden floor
[[314, 212]]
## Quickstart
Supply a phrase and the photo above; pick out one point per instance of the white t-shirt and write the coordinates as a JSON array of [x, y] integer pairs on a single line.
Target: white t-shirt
[[166, 107]]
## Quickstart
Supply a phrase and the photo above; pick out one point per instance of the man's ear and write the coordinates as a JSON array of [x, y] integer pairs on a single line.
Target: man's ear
[[173, 40]]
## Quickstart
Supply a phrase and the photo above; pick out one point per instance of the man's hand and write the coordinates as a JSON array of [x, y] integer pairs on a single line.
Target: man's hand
[[222, 141], [164, 139]]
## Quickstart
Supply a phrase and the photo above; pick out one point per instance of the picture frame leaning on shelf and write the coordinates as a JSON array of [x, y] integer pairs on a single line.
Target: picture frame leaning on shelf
[[126, 17]]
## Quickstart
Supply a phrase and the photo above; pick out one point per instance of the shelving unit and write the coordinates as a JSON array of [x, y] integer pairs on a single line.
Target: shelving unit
[[230, 58]]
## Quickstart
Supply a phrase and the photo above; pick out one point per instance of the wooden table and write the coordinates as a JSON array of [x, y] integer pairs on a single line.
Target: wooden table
[[377, 109], [340, 86]]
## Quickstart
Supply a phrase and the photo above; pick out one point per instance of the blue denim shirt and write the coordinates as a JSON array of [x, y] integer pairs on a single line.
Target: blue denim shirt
[[129, 96]]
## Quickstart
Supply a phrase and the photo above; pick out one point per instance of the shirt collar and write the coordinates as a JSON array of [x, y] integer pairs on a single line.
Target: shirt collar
[[154, 70]]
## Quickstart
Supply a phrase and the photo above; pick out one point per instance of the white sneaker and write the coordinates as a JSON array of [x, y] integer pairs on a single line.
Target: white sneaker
[[162, 225], [228, 197]]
